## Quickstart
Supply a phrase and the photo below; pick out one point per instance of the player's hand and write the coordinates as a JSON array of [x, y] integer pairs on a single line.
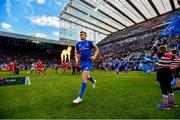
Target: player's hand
[[77, 56], [93, 58]]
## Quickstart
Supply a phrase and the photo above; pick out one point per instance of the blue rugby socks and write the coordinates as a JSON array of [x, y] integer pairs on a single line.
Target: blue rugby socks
[[83, 87], [91, 79]]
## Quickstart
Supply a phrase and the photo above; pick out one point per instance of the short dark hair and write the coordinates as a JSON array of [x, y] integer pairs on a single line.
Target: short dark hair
[[82, 32]]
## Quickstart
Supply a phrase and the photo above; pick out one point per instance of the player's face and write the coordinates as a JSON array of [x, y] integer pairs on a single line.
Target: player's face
[[82, 36]]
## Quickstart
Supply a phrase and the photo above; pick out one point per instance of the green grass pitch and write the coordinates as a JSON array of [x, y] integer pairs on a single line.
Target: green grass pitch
[[50, 96]]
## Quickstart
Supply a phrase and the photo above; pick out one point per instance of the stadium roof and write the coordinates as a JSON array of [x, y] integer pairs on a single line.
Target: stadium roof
[[108, 16], [69, 42], [36, 39]]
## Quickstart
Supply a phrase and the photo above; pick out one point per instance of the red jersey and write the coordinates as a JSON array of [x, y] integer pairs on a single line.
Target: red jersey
[[11, 67]]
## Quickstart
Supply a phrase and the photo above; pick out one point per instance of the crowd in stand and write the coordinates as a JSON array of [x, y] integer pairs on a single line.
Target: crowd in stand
[[151, 24], [24, 61], [25, 57], [128, 42], [136, 39]]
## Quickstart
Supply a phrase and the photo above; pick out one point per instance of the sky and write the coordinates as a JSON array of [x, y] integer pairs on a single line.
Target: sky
[[31, 17]]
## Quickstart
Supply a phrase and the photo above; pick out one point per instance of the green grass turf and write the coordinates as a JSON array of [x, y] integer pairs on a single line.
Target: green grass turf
[[51, 96]]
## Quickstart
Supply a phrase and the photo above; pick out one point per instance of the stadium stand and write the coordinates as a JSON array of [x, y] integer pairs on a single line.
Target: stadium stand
[[136, 38], [134, 41], [26, 49]]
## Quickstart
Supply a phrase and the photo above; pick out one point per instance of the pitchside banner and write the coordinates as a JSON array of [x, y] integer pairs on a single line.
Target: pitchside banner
[[15, 81]]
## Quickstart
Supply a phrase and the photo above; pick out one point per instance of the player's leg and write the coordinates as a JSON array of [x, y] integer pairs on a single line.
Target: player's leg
[[90, 78], [44, 72], [38, 71], [177, 80], [77, 70], [177, 84], [84, 82], [165, 104], [167, 81], [164, 77], [172, 100], [117, 71], [72, 70], [83, 86], [126, 69], [31, 70]]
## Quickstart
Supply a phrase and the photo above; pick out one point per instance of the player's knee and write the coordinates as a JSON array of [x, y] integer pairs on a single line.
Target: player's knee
[[88, 76], [84, 77], [84, 80]]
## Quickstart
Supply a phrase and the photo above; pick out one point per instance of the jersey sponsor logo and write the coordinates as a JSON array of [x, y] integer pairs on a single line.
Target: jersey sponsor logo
[[83, 48]]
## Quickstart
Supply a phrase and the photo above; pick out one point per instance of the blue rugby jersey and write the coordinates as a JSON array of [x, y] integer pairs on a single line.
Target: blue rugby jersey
[[85, 49], [126, 63], [116, 63]]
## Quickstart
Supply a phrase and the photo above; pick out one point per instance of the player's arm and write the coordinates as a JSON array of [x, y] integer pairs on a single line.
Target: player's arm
[[96, 49], [77, 54]]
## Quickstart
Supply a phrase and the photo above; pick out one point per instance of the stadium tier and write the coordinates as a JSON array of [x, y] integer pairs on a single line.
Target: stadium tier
[[27, 49], [138, 37]]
